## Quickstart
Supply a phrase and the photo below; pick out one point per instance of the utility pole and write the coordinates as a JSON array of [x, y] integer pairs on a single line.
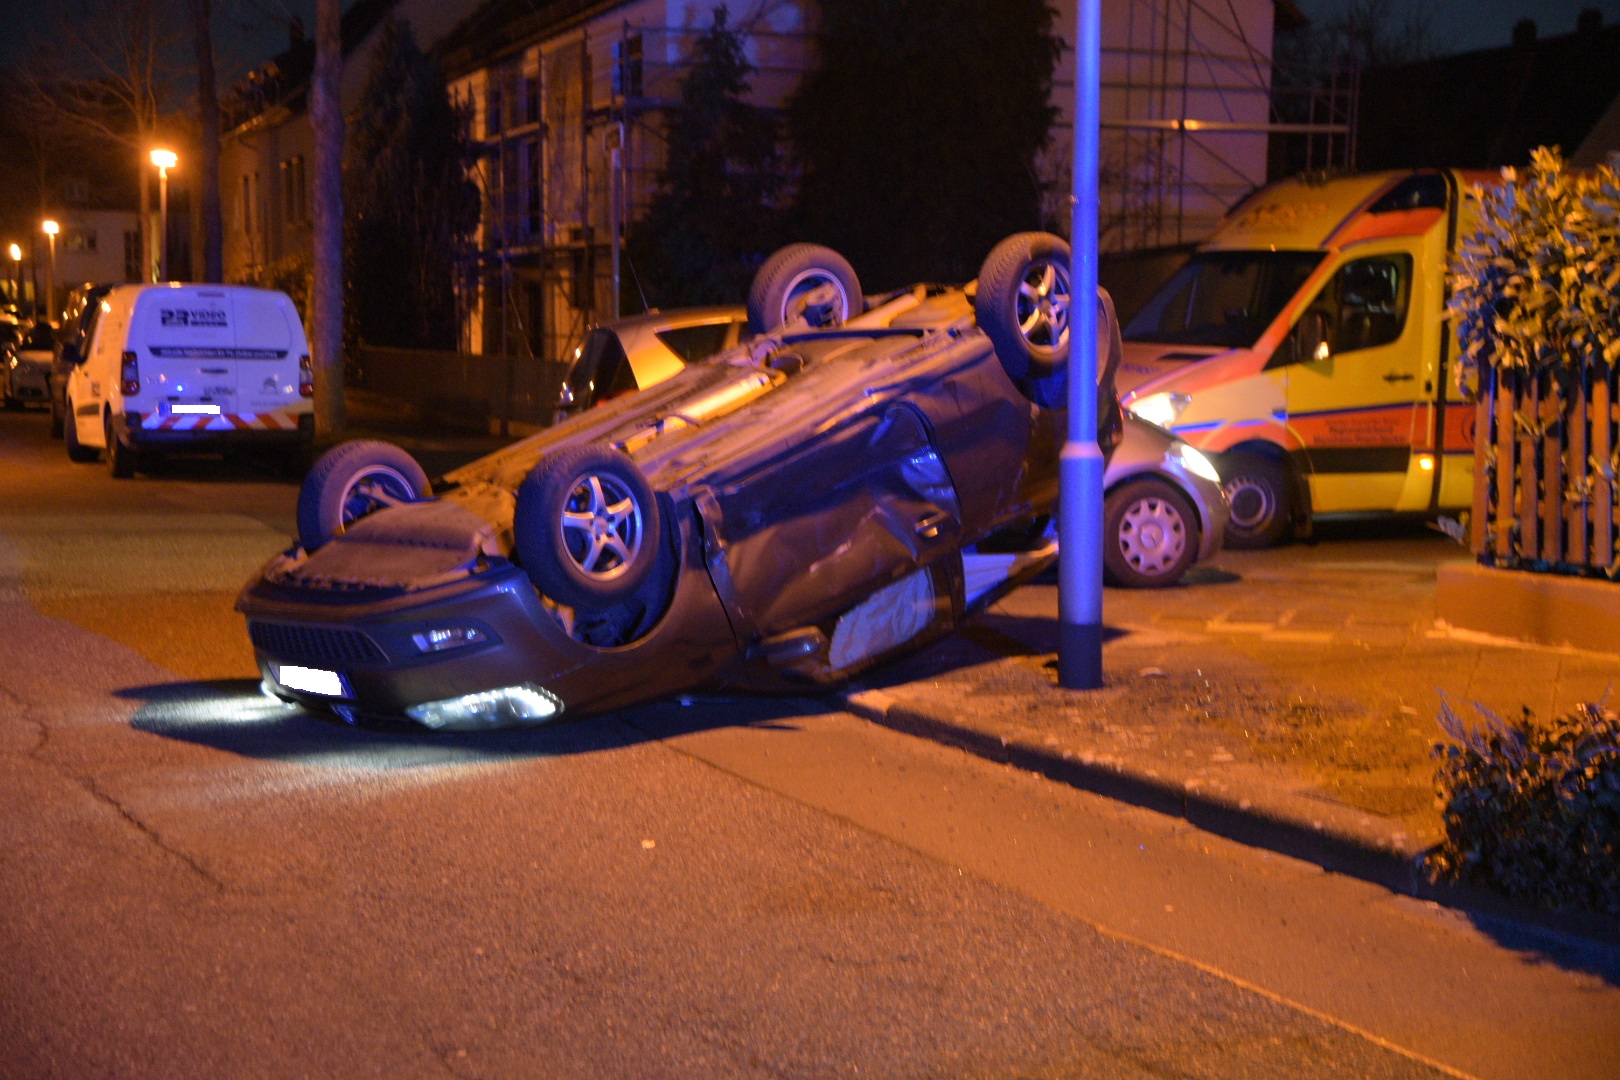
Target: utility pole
[[326, 301], [1080, 475]]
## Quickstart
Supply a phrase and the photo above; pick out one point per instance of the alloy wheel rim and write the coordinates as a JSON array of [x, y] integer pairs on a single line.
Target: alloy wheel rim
[[371, 489], [1043, 306], [1152, 536], [1252, 502], [601, 526], [804, 283]]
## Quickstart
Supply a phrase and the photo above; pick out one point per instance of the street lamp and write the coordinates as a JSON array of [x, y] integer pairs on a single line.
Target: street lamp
[[164, 160], [51, 229], [16, 273]]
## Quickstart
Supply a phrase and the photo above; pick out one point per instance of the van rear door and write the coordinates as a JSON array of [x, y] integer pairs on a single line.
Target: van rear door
[[267, 351], [190, 341]]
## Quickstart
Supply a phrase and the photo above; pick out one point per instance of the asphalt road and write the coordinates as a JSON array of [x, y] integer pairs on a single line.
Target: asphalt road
[[197, 881]]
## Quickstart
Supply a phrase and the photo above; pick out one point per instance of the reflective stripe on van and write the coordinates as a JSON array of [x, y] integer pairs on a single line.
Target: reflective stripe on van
[[270, 421]]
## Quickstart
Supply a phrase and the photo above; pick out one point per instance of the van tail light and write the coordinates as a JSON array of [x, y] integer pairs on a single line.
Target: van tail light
[[306, 377], [129, 376]]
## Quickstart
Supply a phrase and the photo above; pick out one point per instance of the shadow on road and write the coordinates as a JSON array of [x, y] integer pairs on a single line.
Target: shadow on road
[[236, 716]]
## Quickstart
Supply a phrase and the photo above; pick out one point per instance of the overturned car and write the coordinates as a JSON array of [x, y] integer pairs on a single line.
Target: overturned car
[[855, 480]]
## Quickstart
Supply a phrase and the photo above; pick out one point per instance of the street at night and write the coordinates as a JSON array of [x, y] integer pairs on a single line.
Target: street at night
[[202, 881]]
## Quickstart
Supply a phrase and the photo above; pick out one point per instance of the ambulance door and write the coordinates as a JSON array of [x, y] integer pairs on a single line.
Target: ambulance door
[[1354, 398]]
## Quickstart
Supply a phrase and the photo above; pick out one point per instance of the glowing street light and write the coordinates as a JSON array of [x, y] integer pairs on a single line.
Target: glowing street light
[[16, 272], [164, 160], [51, 229]]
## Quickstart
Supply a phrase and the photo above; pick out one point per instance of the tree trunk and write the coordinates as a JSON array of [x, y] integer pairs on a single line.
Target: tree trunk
[[213, 268], [326, 301]]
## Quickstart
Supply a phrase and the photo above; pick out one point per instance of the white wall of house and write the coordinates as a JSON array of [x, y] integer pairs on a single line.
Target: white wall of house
[[94, 245]]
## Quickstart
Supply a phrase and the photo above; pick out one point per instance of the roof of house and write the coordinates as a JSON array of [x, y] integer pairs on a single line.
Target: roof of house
[[1491, 107], [502, 26], [284, 80]]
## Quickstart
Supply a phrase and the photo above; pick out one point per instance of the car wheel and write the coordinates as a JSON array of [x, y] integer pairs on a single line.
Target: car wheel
[[121, 459], [587, 527], [76, 451], [1023, 304], [1150, 535], [1261, 499], [352, 480], [782, 287]]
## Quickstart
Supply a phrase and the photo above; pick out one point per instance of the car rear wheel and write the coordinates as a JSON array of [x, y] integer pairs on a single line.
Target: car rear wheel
[[352, 480], [783, 287], [76, 451], [1024, 303], [121, 459], [587, 527], [1261, 499], [1150, 535]]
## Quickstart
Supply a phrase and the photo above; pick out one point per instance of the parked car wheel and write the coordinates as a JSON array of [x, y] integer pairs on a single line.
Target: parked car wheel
[[1150, 534], [782, 287], [1261, 498], [76, 451], [587, 527], [121, 459], [352, 480], [1024, 303]]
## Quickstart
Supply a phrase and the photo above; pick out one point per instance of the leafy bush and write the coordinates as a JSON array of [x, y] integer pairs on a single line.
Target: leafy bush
[[1533, 808], [1538, 285]]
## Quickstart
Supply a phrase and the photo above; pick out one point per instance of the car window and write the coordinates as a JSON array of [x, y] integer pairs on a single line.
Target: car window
[[1223, 298], [1365, 302], [693, 343]]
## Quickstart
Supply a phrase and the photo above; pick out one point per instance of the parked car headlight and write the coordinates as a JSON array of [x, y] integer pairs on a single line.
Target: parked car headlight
[[1194, 461], [1160, 409]]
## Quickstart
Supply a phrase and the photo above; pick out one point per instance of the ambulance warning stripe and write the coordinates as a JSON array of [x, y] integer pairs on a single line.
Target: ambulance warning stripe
[[274, 421]]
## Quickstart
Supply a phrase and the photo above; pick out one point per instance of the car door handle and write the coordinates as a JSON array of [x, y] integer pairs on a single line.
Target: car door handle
[[1396, 376], [928, 527]]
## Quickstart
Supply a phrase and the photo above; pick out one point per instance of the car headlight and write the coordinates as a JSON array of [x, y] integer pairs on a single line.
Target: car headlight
[[1160, 409], [506, 707], [1194, 461]]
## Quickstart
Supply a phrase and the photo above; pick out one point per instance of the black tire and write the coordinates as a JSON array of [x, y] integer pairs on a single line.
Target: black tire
[[1150, 534], [352, 480], [122, 460], [587, 527], [1262, 500], [778, 293], [76, 450], [1024, 304]]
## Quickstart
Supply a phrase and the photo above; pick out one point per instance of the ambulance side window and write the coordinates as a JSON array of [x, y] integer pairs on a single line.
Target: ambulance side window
[[1366, 301]]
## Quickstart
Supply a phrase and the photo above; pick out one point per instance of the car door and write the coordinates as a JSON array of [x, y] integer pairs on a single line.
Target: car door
[[1354, 403], [91, 381], [189, 339], [810, 535]]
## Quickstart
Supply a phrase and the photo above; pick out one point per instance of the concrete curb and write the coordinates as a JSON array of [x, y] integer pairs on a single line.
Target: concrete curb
[[1256, 821]]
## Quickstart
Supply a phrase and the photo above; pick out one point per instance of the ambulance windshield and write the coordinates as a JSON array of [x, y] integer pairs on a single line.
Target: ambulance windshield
[[1224, 299]]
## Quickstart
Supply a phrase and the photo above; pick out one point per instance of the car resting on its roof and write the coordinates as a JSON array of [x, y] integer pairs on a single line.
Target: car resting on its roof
[[847, 484]]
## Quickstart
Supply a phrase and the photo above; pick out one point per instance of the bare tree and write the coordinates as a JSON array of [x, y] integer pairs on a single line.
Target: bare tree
[[208, 142], [326, 303]]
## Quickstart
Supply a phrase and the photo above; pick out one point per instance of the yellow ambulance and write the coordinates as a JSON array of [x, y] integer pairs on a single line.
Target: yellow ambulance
[[1305, 347]]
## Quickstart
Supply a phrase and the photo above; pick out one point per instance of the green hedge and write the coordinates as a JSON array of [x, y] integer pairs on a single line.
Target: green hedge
[[1532, 807]]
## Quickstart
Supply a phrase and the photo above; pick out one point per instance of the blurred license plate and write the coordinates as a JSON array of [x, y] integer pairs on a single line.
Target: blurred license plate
[[310, 680], [178, 408]]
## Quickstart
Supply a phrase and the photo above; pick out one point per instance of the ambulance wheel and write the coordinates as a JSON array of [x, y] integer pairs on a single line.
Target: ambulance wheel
[[1023, 304], [1261, 499], [782, 287], [1150, 535], [587, 527], [121, 459], [76, 451], [354, 479]]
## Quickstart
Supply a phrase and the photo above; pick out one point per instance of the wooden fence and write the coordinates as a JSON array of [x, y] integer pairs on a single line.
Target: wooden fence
[[462, 391], [1544, 470]]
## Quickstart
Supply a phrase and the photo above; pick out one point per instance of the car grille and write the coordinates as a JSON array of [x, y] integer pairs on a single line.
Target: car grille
[[314, 645]]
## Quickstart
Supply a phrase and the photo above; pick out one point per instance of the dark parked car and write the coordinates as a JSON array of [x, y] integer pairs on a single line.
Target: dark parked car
[[25, 368], [848, 484]]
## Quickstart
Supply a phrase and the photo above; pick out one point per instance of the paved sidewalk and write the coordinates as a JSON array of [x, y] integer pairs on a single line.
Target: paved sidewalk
[[1287, 699]]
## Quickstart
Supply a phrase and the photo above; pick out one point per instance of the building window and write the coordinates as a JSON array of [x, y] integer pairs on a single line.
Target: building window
[[492, 105], [627, 67], [79, 240], [247, 204], [531, 98], [294, 190], [533, 201], [132, 255]]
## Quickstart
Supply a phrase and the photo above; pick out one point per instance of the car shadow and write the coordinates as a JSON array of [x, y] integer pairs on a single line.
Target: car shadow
[[236, 716]]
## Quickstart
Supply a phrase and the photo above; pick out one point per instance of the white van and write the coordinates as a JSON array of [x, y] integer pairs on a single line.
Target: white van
[[189, 368]]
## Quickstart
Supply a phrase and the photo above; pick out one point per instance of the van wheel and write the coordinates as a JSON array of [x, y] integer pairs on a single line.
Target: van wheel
[[352, 480], [76, 451], [1024, 303], [782, 287], [587, 527], [1261, 498], [121, 459], [1150, 535]]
